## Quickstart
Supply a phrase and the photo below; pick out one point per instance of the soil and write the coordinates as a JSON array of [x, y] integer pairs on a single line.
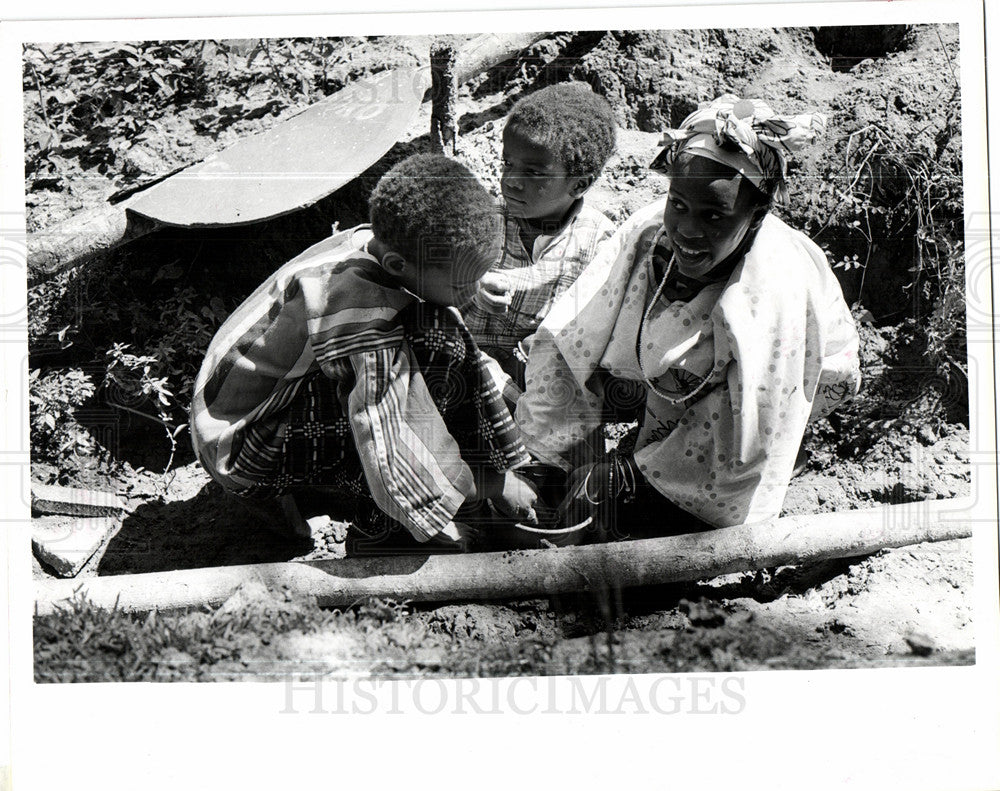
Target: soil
[[904, 439]]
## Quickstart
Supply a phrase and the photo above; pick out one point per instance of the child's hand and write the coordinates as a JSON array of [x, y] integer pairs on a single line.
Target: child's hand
[[456, 535], [518, 499], [494, 293]]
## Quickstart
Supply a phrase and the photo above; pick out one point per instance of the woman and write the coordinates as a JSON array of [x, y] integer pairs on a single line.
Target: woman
[[727, 325]]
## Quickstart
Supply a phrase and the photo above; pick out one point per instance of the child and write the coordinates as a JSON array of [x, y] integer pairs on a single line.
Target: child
[[350, 367], [555, 143]]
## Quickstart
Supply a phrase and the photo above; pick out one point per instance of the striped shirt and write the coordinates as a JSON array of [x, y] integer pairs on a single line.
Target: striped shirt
[[538, 276], [331, 309]]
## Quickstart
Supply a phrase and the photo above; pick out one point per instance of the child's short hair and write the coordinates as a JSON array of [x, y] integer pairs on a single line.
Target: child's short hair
[[432, 210], [572, 121]]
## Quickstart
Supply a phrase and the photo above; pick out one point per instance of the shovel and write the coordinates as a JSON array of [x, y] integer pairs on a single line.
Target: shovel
[[292, 165]]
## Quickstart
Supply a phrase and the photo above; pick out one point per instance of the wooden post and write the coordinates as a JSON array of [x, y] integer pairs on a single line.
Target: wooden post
[[536, 572], [444, 93]]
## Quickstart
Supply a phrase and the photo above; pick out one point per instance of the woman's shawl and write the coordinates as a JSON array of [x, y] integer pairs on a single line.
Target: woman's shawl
[[776, 341]]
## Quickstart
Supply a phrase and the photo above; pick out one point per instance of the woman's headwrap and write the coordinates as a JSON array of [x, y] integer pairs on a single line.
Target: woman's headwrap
[[746, 135]]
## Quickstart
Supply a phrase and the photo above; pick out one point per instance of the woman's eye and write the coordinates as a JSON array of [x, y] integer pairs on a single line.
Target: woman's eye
[[676, 205]]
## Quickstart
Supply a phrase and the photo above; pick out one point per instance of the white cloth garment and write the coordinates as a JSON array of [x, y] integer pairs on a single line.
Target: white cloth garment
[[776, 342]]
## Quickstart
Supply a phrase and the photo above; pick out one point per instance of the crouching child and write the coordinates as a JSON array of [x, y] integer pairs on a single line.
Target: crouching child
[[351, 371]]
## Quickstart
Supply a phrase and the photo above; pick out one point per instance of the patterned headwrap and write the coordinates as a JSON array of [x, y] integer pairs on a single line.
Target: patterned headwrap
[[746, 135]]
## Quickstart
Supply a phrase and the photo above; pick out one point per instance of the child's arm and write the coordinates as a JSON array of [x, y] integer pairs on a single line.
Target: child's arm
[[412, 465]]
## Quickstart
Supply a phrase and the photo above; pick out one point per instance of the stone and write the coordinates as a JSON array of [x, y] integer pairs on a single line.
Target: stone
[[46, 499], [252, 594], [920, 644], [926, 435], [701, 613], [67, 543]]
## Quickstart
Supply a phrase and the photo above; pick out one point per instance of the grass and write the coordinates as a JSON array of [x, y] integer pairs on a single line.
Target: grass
[[82, 642], [275, 638]]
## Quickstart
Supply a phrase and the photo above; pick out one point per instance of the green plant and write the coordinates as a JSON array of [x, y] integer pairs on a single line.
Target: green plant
[[946, 327], [131, 377], [96, 100], [918, 193], [52, 403], [185, 326], [83, 642]]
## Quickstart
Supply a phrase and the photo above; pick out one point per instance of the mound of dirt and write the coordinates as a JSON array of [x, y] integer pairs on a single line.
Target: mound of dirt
[[654, 79]]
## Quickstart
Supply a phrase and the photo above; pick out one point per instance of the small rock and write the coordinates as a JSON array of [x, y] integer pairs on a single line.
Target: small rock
[[66, 544], [137, 161], [252, 594], [926, 435], [46, 499], [920, 643], [42, 471], [700, 613]]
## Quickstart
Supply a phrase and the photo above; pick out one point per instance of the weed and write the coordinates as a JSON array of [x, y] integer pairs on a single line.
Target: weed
[[130, 377], [82, 642], [53, 400], [96, 101], [917, 196]]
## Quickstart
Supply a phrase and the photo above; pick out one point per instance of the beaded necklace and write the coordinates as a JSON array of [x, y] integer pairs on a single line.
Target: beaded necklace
[[669, 397]]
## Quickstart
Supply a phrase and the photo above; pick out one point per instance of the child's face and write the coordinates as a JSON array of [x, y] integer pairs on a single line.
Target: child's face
[[441, 284], [534, 183], [707, 214]]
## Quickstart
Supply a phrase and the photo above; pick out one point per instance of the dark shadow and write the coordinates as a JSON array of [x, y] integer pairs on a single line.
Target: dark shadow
[[364, 566], [491, 114], [765, 588], [214, 528], [139, 441], [210, 529], [846, 46], [597, 611]]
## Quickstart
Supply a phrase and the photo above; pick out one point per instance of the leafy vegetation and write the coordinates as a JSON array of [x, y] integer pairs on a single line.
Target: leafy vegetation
[[101, 98], [53, 400], [81, 642], [141, 325], [89, 105]]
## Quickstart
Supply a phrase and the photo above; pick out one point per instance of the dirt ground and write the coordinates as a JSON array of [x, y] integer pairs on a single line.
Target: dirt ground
[[899, 442]]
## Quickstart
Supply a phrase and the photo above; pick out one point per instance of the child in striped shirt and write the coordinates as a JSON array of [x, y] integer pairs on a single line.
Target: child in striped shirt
[[350, 370], [555, 143]]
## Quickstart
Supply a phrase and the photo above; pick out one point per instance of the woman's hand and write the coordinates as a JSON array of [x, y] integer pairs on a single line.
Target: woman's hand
[[494, 295], [595, 488]]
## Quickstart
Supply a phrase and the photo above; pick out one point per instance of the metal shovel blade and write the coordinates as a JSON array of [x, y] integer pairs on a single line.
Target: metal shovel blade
[[294, 164]]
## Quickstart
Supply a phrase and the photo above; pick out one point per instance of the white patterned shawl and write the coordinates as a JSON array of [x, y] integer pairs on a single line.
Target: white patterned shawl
[[776, 340]]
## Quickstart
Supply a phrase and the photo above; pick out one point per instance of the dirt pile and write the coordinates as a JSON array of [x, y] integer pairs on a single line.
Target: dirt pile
[[654, 79]]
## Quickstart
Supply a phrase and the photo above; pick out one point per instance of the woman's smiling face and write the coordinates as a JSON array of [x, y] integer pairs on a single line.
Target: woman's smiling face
[[708, 214]]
